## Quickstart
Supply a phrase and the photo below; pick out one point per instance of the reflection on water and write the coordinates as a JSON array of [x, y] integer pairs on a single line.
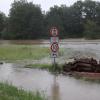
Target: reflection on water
[[55, 87]]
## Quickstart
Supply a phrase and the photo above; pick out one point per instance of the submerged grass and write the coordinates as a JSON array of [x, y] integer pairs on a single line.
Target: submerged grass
[[87, 79], [40, 66], [14, 53], [50, 67], [21, 52], [9, 92]]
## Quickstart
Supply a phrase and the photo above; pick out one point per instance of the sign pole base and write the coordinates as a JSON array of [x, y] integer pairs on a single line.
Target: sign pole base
[[54, 63]]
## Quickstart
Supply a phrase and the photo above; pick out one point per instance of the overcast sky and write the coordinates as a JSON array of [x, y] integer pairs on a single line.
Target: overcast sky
[[5, 5]]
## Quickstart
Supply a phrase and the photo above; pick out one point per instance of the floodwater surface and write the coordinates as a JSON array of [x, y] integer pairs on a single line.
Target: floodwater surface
[[54, 87], [58, 87]]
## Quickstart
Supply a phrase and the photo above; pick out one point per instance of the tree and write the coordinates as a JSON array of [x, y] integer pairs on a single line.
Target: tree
[[53, 18], [90, 9], [92, 30], [25, 20], [2, 22], [91, 23], [72, 20]]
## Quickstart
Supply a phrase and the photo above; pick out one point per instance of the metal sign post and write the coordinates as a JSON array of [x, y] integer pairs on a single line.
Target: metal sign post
[[54, 44]]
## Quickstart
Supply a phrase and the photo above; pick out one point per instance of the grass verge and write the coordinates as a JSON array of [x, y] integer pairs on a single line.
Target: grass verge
[[9, 92]]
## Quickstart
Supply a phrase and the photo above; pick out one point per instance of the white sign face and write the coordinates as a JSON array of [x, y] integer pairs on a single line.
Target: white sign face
[[54, 31], [54, 54], [54, 39], [54, 47]]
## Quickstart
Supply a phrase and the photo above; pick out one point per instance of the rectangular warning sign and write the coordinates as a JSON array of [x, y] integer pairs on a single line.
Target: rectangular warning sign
[[54, 54], [54, 39]]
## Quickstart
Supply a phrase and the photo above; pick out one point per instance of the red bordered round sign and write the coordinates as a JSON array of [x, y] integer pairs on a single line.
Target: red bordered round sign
[[54, 31], [54, 47]]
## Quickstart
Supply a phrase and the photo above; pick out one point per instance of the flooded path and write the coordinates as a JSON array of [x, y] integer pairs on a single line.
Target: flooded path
[[54, 87]]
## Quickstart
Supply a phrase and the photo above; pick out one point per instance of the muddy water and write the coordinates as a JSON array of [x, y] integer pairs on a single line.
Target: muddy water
[[70, 50], [54, 87], [79, 50]]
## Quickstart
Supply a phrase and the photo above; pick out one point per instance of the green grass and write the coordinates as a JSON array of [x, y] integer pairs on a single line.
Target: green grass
[[21, 52], [50, 67], [24, 52], [40, 66], [9, 92], [14, 53]]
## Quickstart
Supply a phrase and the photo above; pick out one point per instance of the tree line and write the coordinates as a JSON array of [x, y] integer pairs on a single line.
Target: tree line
[[27, 21]]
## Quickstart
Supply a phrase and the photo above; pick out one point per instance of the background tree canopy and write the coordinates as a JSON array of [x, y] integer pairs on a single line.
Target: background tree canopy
[[27, 21]]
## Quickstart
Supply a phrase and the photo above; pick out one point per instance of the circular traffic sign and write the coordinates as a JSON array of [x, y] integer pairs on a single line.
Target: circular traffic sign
[[54, 47], [54, 31]]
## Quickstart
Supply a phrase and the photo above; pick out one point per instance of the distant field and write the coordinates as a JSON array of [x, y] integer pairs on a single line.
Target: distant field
[[21, 52], [40, 50], [24, 42]]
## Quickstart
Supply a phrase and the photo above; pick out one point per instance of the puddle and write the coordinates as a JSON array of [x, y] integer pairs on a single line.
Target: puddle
[[54, 87]]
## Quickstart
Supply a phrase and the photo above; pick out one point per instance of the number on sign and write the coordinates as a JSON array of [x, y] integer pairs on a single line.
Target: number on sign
[[54, 31]]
